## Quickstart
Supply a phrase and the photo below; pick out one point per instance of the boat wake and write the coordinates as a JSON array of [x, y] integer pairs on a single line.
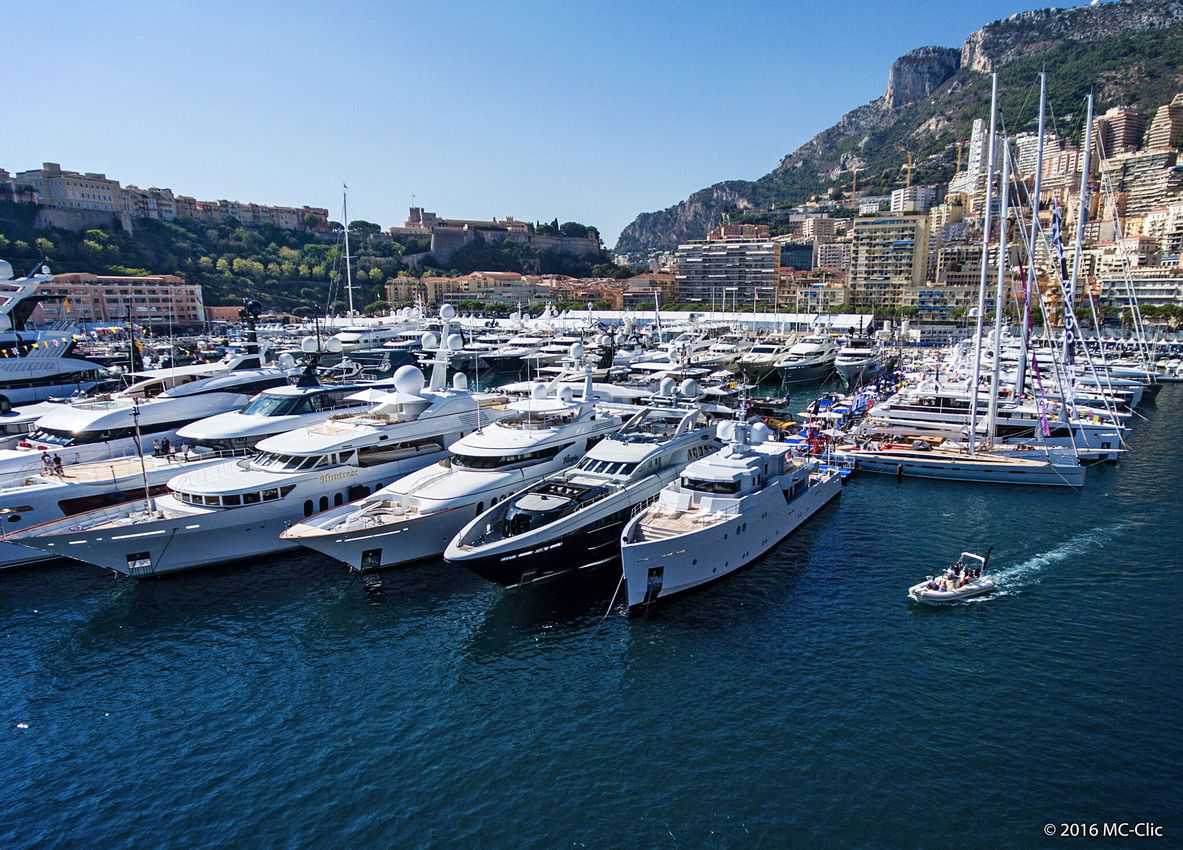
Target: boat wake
[[1028, 572]]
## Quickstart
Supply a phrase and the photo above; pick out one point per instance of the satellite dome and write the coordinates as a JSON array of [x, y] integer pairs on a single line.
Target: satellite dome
[[309, 344], [429, 340], [5, 270], [286, 361], [447, 312], [537, 390], [566, 394], [760, 433], [455, 342], [460, 381], [666, 387], [576, 350], [333, 346], [688, 388], [409, 380], [726, 430]]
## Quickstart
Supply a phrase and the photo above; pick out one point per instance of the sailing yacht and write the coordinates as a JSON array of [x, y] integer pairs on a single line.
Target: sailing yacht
[[723, 512], [570, 521], [238, 509], [416, 516]]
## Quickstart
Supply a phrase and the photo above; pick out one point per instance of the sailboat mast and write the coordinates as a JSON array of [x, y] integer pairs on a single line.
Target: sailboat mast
[[973, 391], [1021, 378], [999, 293], [1082, 211], [348, 270]]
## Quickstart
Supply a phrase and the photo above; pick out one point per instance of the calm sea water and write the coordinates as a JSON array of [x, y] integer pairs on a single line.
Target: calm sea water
[[800, 703]]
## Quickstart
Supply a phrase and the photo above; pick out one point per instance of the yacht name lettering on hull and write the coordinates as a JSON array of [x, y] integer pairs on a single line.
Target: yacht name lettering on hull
[[328, 477]]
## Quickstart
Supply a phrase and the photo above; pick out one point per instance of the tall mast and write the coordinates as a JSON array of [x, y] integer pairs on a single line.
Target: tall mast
[[348, 271], [973, 391], [999, 293], [1021, 378], [1082, 211]]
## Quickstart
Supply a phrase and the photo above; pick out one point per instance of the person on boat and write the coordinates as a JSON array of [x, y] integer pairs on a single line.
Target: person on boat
[[156, 448], [57, 467], [46, 463], [165, 447]]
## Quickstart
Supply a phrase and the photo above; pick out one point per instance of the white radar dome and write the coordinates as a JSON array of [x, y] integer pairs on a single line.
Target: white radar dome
[[726, 430], [409, 380], [447, 312], [308, 344], [333, 346], [455, 342], [666, 387], [566, 394], [760, 433], [538, 390], [429, 340], [688, 388], [460, 381], [5, 270]]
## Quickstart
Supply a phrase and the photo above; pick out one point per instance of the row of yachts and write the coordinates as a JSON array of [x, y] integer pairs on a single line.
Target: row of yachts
[[524, 484]]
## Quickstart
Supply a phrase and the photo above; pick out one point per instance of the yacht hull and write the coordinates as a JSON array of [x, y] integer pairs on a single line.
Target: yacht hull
[[813, 373], [392, 545], [661, 568], [914, 465]]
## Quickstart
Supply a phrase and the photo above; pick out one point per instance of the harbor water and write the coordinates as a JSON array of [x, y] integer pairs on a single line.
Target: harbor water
[[800, 703]]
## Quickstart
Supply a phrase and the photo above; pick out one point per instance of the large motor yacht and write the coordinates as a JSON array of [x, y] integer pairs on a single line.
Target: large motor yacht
[[759, 361], [722, 513], [859, 361], [238, 509], [809, 361], [152, 409], [571, 521], [36, 365], [416, 516]]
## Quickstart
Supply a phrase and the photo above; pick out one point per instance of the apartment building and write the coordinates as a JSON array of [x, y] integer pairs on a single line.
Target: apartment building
[[888, 253], [151, 300], [834, 256], [740, 266], [1118, 130], [1166, 130]]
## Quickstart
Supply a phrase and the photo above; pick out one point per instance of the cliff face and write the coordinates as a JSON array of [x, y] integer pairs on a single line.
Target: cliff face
[[919, 73], [1026, 33], [1130, 49]]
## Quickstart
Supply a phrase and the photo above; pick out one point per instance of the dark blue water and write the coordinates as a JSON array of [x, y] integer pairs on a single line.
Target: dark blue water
[[800, 703]]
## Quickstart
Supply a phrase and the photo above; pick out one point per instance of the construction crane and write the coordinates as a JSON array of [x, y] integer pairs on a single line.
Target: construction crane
[[908, 166]]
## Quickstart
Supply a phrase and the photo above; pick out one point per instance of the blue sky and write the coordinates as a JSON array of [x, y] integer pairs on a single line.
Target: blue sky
[[582, 111]]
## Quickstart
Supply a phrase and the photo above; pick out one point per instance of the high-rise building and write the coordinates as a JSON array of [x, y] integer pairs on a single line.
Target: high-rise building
[[740, 266], [1166, 130], [888, 254], [1118, 130], [913, 199]]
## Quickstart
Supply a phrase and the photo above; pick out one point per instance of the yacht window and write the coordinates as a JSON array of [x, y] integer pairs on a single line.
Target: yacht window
[[232, 501], [250, 498], [463, 461], [212, 501], [724, 488], [271, 495]]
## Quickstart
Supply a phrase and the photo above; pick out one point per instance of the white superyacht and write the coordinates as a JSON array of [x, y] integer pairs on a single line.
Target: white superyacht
[[238, 509], [415, 517], [723, 512]]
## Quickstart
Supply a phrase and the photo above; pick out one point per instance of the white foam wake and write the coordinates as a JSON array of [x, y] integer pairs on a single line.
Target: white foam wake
[[1029, 570]]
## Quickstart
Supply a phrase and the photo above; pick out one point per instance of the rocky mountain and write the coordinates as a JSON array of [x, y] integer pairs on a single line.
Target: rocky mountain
[[1129, 51]]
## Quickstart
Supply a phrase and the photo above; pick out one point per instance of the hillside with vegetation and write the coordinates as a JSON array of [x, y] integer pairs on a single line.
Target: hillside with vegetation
[[282, 269], [1129, 53]]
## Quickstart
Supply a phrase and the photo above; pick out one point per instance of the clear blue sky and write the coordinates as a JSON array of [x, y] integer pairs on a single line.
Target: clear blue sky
[[582, 111]]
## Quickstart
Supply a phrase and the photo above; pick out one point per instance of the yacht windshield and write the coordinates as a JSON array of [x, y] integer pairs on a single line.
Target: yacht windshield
[[463, 461], [274, 405], [275, 462]]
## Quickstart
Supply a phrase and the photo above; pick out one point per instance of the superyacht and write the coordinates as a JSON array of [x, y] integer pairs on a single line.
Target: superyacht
[[416, 516], [570, 521]]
